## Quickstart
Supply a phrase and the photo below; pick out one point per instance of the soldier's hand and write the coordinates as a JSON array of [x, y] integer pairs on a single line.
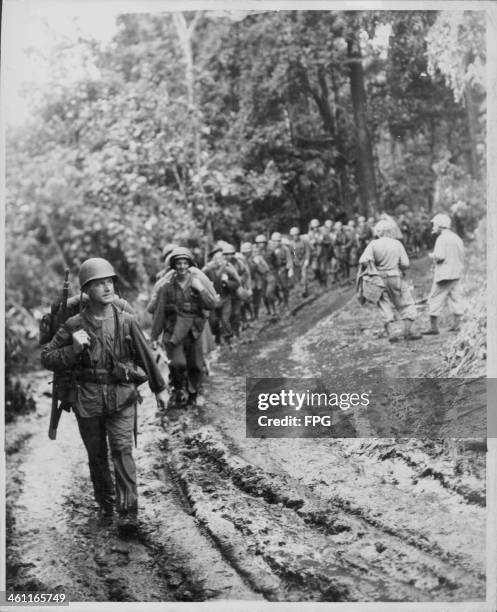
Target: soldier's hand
[[80, 339], [290, 273], [196, 284]]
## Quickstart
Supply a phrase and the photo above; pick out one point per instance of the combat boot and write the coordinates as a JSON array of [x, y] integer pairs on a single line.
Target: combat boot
[[408, 333], [433, 331], [192, 400], [456, 323], [388, 332], [127, 523], [106, 513], [177, 399]]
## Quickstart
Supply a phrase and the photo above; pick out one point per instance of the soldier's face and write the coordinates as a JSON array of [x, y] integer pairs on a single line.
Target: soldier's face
[[181, 266], [101, 290]]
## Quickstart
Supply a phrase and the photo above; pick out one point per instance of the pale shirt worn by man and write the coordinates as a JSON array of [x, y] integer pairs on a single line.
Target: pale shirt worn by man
[[390, 259], [388, 255], [448, 257]]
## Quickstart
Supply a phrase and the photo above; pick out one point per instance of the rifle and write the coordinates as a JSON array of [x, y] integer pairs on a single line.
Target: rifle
[[59, 315]]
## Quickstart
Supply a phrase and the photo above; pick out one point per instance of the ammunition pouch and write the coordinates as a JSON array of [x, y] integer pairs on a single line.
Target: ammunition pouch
[[129, 372]]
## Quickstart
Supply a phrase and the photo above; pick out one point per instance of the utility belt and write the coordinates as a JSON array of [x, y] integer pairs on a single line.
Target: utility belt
[[190, 309], [95, 375]]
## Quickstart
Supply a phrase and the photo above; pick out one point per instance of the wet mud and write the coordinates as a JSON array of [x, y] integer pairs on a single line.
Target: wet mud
[[224, 516]]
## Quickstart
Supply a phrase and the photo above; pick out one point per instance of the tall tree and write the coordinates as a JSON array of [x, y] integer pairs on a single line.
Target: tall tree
[[365, 163]]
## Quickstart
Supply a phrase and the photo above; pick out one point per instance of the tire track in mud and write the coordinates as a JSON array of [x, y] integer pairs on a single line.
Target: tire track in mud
[[318, 539], [254, 515], [56, 541]]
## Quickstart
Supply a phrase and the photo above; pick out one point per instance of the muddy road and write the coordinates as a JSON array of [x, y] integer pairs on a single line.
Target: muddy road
[[223, 516]]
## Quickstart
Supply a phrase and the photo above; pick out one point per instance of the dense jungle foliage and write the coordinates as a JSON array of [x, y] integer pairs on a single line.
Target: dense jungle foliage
[[217, 125]]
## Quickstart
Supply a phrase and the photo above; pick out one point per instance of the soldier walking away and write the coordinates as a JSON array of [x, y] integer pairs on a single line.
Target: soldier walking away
[[448, 261], [389, 259], [108, 357], [180, 318]]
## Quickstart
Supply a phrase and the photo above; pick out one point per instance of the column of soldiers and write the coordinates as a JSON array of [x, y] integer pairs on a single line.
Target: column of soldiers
[[258, 279], [105, 355]]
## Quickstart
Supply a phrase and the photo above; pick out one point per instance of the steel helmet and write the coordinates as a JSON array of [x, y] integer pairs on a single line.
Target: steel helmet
[[441, 220], [314, 224], [260, 238], [246, 247], [181, 253], [169, 248], [93, 269], [285, 241], [384, 228], [294, 231], [276, 237], [228, 249]]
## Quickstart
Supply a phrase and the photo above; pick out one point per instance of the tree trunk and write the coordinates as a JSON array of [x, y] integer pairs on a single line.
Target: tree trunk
[[341, 160], [331, 125], [365, 166], [185, 33], [471, 114]]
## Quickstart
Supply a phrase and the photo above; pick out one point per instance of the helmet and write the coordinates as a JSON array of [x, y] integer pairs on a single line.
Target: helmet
[[384, 228], [246, 247], [181, 253], [276, 237], [441, 220], [294, 231], [228, 249], [93, 269], [314, 224], [214, 250], [169, 248], [286, 241], [260, 238]]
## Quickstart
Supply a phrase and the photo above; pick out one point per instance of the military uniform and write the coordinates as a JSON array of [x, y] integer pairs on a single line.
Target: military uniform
[[389, 258], [103, 401], [280, 260], [301, 256], [180, 317], [226, 282]]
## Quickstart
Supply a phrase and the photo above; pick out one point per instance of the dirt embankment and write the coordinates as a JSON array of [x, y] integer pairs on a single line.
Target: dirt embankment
[[224, 516]]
